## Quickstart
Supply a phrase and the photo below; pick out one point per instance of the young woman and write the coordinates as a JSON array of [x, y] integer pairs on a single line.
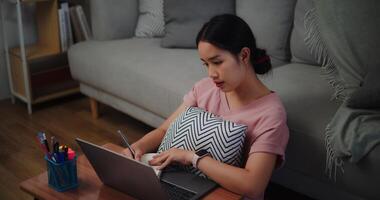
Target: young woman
[[227, 48]]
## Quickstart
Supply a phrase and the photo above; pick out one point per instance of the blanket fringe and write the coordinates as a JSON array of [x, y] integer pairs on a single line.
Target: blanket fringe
[[317, 47], [333, 163]]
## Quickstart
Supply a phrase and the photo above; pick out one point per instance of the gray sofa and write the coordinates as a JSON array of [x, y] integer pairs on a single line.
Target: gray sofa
[[140, 78]]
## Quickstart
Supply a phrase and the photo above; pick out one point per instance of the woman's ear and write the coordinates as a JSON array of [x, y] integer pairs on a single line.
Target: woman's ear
[[245, 55]]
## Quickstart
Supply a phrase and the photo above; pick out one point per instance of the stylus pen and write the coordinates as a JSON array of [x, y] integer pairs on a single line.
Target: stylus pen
[[126, 143]]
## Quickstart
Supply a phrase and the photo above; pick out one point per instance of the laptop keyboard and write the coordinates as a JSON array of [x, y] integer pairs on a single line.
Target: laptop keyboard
[[177, 192]]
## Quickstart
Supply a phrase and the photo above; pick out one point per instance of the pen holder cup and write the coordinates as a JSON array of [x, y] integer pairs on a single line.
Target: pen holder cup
[[62, 176]]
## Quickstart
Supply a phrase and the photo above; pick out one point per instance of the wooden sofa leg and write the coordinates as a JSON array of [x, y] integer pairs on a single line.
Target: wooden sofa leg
[[94, 108]]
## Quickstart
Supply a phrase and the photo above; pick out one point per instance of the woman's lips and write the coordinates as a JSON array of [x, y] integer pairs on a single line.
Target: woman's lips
[[219, 84]]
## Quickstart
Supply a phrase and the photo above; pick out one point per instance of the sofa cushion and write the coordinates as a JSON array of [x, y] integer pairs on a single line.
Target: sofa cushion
[[184, 19], [113, 19], [300, 53], [196, 129], [306, 97], [270, 21], [136, 70], [151, 19]]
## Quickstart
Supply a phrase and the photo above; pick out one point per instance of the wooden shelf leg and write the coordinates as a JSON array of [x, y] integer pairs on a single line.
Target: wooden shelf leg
[[94, 108], [29, 108]]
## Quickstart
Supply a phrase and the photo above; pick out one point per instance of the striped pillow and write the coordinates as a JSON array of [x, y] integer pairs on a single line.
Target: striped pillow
[[196, 129]]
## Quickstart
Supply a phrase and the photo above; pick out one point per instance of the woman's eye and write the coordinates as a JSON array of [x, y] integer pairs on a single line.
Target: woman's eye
[[218, 62], [205, 64]]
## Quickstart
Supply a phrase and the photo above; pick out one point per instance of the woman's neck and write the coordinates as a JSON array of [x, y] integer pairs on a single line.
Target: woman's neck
[[251, 88]]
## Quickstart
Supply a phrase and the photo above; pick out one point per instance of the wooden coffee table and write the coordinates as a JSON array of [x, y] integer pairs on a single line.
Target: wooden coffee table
[[90, 187]]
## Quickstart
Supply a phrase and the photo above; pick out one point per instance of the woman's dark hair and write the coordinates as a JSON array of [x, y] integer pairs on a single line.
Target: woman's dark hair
[[231, 33]]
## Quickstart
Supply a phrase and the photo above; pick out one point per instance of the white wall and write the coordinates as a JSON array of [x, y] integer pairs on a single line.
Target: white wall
[[11, 33]]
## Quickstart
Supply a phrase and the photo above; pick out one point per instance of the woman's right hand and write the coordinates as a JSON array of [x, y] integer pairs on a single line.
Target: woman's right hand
[[138, 152], [151, 141]]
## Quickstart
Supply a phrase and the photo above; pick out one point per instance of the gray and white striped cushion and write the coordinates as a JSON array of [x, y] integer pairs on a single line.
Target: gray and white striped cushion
[[151, 19], [196, 129]]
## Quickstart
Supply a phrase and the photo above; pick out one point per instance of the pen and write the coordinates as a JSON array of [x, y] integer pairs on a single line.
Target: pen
[[61, 154], [56, 151], [126, 143], [45, 142], [52, 142], [66, 149], [70, 154], [41, 139]]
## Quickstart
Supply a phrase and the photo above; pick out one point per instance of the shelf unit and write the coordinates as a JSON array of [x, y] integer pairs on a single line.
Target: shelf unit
[[39, 72]]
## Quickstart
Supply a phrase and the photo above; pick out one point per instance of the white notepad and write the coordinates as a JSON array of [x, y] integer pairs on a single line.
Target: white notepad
[[146, 158]]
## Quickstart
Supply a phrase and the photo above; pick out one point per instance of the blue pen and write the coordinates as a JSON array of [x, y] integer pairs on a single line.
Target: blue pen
[[61, 154]]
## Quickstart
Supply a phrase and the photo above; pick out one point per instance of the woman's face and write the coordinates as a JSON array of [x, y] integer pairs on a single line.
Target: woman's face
[[223, 67]]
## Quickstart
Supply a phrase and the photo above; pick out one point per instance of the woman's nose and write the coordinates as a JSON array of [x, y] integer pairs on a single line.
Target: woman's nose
[[212, 72]]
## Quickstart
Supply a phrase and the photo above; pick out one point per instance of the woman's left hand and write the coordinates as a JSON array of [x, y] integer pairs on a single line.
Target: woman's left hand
[[172, 155]]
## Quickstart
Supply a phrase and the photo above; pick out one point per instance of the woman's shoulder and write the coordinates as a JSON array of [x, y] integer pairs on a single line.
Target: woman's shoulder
[[269, 107], [269, 116], [274, 110], [205, 85], [275, 105]]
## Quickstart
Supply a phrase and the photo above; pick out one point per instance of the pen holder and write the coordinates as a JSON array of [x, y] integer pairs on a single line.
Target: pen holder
[[62, 176]]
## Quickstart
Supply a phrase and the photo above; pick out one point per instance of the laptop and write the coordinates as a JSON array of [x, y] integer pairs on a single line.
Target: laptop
[[139, 180]]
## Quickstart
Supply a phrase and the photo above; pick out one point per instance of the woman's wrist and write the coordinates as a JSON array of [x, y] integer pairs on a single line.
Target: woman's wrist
[[138, 146], [190, 157]]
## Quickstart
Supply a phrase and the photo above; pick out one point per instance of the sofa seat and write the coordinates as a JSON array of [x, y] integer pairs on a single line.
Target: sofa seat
[[306, 97], [128, 70], [138, 70]]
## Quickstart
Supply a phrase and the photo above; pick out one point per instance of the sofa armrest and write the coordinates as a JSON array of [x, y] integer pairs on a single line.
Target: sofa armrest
[[113, 19]]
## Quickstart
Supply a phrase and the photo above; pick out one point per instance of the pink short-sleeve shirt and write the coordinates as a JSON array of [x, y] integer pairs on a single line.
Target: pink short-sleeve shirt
[[265, 117]]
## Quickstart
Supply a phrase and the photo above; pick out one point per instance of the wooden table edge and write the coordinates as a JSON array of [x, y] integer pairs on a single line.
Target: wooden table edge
[[113, 147]]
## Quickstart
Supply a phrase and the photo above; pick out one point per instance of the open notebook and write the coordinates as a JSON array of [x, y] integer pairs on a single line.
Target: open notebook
[[146, 158]]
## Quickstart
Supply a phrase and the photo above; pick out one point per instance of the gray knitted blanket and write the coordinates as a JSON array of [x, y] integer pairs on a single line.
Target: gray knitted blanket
[[343, 35], [350, 135]]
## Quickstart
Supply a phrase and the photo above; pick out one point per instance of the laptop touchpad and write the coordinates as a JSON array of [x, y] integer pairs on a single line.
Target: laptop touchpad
[[188, 181]]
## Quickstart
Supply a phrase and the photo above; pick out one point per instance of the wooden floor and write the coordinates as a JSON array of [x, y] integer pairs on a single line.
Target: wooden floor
[[66, 119]]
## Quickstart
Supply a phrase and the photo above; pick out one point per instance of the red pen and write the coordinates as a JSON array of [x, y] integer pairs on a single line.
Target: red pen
[[70, 154]]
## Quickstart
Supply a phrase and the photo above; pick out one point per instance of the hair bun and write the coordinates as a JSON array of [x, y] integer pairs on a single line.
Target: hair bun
[[261, 61]]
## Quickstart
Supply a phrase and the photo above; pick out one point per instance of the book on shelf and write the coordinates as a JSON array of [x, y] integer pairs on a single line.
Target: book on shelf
[[80, 24], [62, 30], [65, 7], [73, 25], [78, 33], [65, 26], [85, 28]]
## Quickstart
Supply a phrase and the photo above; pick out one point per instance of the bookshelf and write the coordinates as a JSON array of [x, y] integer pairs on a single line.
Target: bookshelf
[[39, 72]]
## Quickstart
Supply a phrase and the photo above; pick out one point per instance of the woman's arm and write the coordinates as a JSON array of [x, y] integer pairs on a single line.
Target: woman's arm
[[250, 181], [152, 140]]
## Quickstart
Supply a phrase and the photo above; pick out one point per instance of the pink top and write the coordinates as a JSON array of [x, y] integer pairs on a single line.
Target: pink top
[[265, 117]]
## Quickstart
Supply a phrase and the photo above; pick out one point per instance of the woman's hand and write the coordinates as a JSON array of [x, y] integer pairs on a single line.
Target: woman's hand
[[172, 155], [138, 152]]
